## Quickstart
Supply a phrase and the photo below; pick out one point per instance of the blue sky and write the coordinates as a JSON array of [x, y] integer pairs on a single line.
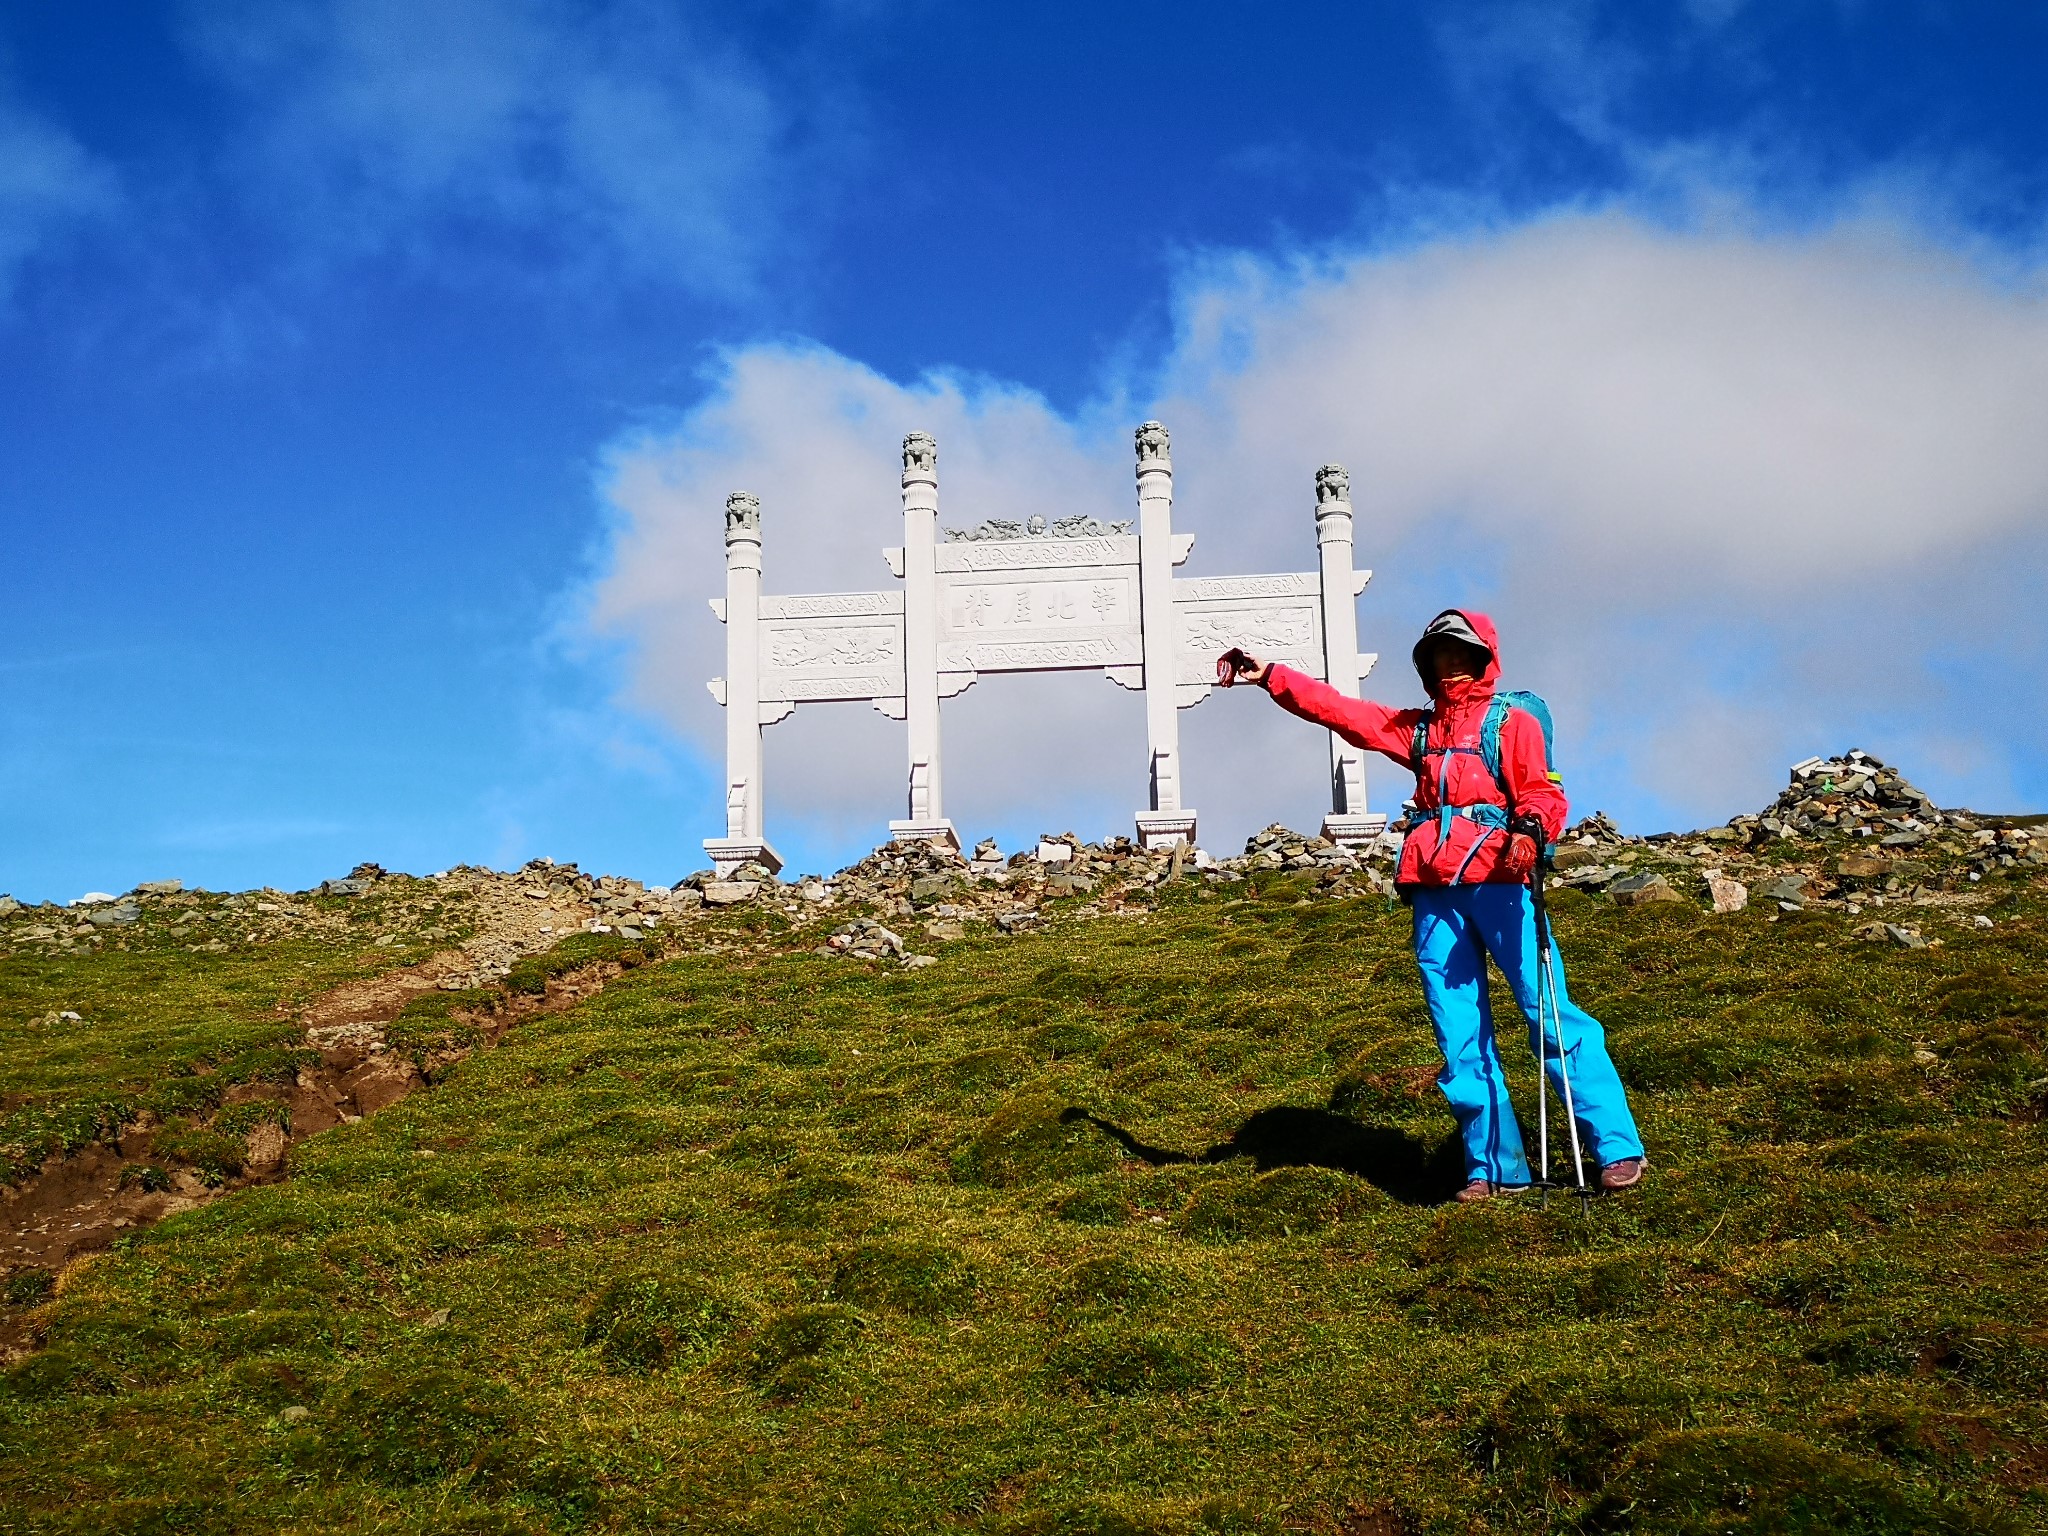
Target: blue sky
[[371, 374]]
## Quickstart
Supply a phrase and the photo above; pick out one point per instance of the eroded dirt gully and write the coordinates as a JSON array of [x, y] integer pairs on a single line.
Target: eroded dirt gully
[[80, 1205]]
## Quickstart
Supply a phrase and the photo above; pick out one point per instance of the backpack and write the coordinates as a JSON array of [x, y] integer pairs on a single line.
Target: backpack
[[1531, 704]]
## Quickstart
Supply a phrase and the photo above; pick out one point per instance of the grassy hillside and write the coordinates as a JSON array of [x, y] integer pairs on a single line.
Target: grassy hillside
[[195, 991], [1128, 1226]]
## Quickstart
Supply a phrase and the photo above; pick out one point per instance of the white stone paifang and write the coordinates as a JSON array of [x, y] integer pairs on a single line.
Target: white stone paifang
[[1039, 595]]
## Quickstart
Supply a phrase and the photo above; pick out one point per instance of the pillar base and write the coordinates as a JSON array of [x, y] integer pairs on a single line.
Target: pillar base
[[1162, 829], [729, 853], [939, 831], [1350, 830]]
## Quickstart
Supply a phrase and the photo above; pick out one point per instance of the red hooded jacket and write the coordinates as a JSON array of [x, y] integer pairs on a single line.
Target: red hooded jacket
[[1429, 856]]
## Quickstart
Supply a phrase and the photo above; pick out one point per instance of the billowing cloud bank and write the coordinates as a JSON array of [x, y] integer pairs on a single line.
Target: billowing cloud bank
[[1735, 496]]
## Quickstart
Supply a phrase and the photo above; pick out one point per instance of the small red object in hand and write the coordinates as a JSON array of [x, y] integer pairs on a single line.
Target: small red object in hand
[[1232, 665], [1520, 859]]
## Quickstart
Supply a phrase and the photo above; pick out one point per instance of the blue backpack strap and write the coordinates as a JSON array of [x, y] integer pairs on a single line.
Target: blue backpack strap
[[1531, 704], [1489, 739]]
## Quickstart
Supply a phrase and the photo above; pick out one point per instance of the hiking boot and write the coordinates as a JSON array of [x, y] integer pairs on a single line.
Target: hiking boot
[[1626, 1174], [1478, 1189]]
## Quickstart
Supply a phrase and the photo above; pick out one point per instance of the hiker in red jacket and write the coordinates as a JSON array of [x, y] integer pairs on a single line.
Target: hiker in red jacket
[[1466, 872]]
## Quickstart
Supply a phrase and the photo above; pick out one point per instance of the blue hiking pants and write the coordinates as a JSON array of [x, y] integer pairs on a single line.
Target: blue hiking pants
[[1456, 928]]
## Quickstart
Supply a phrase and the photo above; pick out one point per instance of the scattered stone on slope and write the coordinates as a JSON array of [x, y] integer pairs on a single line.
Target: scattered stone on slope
[[1726, 895], [1639, 890]]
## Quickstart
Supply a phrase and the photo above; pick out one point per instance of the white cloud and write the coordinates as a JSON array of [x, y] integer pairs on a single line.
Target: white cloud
[[1728, 490], [1631, 394], [625, 137], [48, 182]]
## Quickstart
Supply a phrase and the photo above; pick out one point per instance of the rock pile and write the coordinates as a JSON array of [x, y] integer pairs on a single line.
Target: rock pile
[[1340, 868], [904, 891], [1853, 795]]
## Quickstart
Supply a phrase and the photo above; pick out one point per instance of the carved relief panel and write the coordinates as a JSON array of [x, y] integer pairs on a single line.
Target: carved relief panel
[[1277, 618], [843, 645]]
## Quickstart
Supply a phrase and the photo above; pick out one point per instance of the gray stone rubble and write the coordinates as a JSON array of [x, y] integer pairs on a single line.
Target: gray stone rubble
[[1847, 833]]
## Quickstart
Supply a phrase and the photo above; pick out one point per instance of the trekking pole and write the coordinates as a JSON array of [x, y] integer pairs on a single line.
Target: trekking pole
[[1547, 982], [1542, 1048], [1547, 1029]]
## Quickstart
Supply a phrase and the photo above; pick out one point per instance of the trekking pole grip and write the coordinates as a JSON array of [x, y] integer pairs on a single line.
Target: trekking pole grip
[[1531, 827]]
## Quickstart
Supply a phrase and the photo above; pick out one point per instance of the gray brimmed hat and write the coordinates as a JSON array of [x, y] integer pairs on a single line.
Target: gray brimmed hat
[[1448, 625]]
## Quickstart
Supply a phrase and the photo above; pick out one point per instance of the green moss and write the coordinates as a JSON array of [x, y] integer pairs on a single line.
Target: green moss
[[646, 1321], [1032, 1138], [268, 1064], [164, 1029], [1099, 1202], [55, 1373], [1089, 1518], [1279, 1204], [928, 1279], [997, 1065], [1065, 1038], [808, 1197], [1837, 1101], [1144, 1044], [1116, 1359], [756, 1148], [1111, 1284], [797, 1350], [1568, 1430], [1707, 1482], [405, 1424]]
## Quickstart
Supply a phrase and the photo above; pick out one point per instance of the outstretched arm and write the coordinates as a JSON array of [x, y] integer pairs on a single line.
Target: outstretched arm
[[1359, 721]]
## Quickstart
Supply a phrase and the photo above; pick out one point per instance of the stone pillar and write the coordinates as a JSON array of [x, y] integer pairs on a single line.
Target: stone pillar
[[926, 821], [744, 841], [1347, 821], [1165, 823]]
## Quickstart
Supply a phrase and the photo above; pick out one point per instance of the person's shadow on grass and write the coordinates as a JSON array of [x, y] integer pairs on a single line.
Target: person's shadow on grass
[[1397, 1164]]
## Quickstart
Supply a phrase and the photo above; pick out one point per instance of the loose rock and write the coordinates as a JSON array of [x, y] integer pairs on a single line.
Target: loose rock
[[1640, 890], [1727, 895]]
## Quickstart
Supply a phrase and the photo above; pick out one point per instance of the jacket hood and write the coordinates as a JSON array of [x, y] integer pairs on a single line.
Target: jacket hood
[[1481, 626]]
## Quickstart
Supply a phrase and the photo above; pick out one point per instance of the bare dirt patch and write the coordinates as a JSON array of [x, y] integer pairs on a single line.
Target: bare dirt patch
[[80, 1205]]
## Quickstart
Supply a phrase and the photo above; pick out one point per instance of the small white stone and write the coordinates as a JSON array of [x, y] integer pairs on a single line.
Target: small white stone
[[1728, 895]]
